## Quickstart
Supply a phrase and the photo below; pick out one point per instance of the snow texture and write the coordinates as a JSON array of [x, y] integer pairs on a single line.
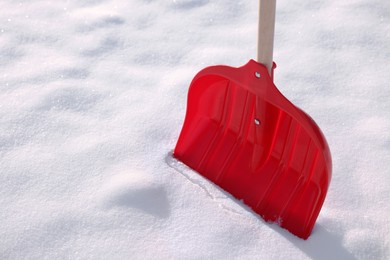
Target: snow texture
[[92, 100]]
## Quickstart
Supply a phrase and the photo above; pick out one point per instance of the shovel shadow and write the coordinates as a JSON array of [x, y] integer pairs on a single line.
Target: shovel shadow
[[321, 245]]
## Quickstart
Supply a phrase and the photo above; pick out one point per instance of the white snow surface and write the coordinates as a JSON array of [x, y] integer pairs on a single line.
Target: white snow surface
[[92, 100]]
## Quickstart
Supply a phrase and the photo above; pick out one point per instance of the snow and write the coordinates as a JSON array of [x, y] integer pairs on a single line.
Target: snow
[[93, 97]]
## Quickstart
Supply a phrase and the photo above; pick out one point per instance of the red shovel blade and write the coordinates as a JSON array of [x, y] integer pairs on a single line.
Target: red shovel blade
[[245, 136]]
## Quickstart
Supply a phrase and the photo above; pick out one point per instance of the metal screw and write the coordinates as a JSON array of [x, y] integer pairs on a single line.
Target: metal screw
[[257, 74], [257, 121]]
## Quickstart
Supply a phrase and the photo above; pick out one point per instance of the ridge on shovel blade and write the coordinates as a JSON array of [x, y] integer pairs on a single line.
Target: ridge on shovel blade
[[245, 136]]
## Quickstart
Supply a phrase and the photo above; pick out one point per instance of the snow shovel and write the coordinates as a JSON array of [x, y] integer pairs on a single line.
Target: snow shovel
[[241, 133]]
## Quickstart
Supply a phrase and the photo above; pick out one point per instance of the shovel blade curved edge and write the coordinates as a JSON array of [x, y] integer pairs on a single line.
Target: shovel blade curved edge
[[241, 133]]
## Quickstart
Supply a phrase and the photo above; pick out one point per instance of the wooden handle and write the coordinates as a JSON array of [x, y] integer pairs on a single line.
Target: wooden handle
[[266, 33]]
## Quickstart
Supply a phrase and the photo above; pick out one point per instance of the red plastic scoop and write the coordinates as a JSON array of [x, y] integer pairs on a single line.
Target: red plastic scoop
[[245, 136]]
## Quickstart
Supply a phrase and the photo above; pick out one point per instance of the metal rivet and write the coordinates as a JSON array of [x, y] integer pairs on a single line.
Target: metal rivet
[[257, 74], [257, 121]]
